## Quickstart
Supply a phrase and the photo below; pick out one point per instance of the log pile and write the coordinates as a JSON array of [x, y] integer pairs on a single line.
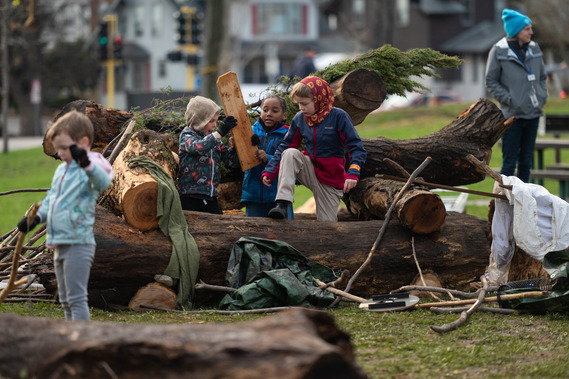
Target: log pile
[[127, 259], [299, 343], [456, 247]]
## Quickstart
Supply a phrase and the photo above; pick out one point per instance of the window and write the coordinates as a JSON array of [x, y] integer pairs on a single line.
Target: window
[[139, 76], [274, 19], [139, 21], [402, 7], [157, 17], [359, 13], [449, 75], [255, 71], [467, 18]]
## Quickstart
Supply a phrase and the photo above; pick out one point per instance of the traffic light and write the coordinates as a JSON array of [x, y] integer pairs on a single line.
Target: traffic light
[[193, 59], [174, 56], [196, 30], [117, 47], [181, 35], [104, 40]]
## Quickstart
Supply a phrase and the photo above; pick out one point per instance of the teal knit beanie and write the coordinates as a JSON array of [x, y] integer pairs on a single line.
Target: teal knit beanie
[[514, 22]]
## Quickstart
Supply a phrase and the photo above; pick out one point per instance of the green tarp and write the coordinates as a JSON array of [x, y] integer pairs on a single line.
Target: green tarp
[[556, 263], [269, 273]]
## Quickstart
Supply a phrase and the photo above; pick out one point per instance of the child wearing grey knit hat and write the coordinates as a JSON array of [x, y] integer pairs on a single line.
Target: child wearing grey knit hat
[[201, 151]]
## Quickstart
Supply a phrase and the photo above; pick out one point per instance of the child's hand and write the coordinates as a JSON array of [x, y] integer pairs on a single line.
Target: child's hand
[[229, 123], [349, 184], [266, 181], [79, 155], [261, 155], [231, 142], [23, 224]]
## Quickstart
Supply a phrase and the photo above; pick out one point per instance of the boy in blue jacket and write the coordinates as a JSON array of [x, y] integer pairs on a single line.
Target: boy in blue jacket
[[69, 209], [327, 132], [270, 130]]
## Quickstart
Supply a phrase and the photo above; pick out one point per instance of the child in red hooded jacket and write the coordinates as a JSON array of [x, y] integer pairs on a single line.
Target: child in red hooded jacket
[[327, 132]]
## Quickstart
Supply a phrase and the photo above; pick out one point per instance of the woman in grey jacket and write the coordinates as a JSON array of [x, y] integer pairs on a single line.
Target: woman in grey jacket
[[515, 76]]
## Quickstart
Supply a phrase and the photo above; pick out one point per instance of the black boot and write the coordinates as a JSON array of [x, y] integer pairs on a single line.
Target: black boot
[[279, 212]]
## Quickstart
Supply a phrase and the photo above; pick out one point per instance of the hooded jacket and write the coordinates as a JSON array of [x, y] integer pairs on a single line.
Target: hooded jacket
[[507, 79], [325, 144], [253, 189], [69, 205], [200, 158]]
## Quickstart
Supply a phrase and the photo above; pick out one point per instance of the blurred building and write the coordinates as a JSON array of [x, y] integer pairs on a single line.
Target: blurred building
[[264, 37]]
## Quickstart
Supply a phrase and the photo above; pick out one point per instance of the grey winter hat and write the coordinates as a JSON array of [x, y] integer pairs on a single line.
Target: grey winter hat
[[200, 111]]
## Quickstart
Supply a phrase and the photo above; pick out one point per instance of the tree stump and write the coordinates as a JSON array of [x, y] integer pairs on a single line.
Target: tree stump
[[153, 295], [133, 191], [299, 343], [523, 266]]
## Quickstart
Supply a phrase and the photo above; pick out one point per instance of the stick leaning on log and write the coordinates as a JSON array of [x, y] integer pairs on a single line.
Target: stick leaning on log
[[413, 176]]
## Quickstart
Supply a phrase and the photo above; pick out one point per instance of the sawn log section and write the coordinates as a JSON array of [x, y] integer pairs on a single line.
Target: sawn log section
[[298, 343], [127, 259]]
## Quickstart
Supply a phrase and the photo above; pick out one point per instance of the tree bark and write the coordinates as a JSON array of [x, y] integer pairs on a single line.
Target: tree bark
[[133, 192], [126, 260], [474, 132], [298, 343], [359, 93], [418, 210]]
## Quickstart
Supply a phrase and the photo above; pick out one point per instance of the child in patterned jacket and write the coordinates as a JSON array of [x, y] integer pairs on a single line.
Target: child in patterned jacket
[[201, 151]]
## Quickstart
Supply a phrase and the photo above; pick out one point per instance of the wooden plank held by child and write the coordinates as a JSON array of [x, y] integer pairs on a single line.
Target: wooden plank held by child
[[234, 105]]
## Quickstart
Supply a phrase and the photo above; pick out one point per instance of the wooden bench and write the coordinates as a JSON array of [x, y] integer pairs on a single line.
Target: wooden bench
[[562, 175], [548, 143], [556, 124]]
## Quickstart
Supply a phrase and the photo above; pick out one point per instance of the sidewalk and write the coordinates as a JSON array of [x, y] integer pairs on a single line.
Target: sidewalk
[[21, 143], [16, 142]]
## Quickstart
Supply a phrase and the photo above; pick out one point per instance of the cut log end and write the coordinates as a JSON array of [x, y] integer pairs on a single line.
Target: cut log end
[[139, 206], [153, 295], [422, 212]]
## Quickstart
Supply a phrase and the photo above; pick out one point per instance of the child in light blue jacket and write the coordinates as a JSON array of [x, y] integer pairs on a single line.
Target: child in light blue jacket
[[69, 209]]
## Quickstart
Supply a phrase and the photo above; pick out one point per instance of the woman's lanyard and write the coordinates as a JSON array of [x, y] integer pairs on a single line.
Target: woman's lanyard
[[531, 76]]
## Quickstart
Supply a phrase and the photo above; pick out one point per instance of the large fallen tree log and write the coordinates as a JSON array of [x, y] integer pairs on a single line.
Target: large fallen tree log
[[299, 343], [127, 259], [474, 132]]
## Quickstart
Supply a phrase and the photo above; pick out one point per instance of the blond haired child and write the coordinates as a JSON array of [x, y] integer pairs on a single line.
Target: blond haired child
[[69, 209]]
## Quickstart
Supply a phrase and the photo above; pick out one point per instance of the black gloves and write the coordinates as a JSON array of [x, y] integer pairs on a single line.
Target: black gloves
[[229, 123], [79, 155], [255, 141], [23, 224]]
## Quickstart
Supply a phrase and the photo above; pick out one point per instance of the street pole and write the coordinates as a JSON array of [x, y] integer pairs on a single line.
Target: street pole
[[112, 19], [5, 73]]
